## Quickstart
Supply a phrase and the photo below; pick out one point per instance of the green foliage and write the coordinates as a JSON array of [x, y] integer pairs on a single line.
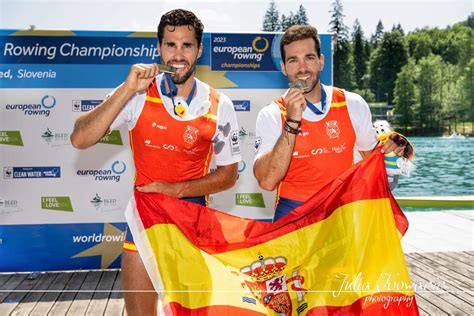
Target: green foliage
[[271, 22], [428, 73], [337, 26], [385, 62], [405, 95], [375, 39], [343, 64], [419, 44], [301, 17], [430, 89], [359, 54]]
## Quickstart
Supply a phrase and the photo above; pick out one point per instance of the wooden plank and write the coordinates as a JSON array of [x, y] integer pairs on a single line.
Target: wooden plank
[[4, 277], [47, 300], [426, 308], [65, 299], [83, 298], [14, 298], [438, 277], [444, 292], [101, 296], [451, 267], [438, 305], [116, 304], [458, 257], [32, 298], [11, 284]]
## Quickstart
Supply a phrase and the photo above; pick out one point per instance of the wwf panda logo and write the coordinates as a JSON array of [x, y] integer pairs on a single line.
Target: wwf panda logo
[[257, 143]]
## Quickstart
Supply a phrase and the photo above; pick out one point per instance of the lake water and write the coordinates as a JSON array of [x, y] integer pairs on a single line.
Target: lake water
[[442, 167]]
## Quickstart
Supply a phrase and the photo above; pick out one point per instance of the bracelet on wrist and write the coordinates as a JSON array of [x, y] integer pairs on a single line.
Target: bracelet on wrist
[[290, 129], [289, 120]]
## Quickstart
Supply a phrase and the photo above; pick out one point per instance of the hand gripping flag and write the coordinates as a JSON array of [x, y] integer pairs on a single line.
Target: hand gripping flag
[[339, 253]]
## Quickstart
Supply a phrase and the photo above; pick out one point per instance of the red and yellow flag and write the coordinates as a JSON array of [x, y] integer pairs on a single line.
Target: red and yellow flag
[[339, 253]]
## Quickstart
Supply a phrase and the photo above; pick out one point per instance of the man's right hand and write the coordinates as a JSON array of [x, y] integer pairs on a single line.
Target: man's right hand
[[140, 76], [295, 104]]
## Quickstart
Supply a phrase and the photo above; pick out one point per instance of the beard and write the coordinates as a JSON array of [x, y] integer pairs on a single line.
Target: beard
[[183, 78], [313, 84]]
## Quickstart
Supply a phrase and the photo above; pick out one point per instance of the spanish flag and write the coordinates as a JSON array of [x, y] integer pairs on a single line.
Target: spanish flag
[[337, 254]]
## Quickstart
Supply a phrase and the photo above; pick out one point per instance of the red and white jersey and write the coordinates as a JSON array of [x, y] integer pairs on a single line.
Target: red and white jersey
[[169, 148], [324, 147]]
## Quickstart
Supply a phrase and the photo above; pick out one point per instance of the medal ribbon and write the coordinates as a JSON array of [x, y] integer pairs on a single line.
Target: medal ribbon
[[323, 103], [174, 92]]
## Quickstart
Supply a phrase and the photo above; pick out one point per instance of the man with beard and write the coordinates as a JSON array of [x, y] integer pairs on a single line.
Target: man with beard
[[176, 122], [308, 136]]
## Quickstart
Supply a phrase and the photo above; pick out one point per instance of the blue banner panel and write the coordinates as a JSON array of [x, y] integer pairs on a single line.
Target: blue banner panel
[[51, 247], [245, 52]]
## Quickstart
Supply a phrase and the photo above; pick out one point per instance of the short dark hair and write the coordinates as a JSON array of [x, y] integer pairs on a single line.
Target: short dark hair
[[297, 33], [180, 17]]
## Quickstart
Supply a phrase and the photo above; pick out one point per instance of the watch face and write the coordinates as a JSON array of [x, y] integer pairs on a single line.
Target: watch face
[[180, 107]]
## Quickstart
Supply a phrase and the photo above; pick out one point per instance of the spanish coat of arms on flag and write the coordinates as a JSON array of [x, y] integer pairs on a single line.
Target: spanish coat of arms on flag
[[337, 254]]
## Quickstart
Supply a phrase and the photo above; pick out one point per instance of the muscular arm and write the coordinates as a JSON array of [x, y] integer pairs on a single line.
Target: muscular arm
[[270, 168], [222, 179], [92, 126]]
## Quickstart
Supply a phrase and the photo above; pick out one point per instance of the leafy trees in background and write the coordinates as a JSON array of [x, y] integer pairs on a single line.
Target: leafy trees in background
[[360, 54], [426, 74], [385, 62], [405, 95], [377, 36], [343, 65], [273, 23]]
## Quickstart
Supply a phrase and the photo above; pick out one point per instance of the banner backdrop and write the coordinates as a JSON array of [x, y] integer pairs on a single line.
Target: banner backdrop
[[62, 208]]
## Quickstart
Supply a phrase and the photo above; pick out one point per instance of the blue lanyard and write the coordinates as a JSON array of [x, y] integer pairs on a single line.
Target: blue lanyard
[[323, 103], [174, 90]]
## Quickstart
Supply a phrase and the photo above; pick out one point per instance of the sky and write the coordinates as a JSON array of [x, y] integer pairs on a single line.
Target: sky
[[225, 15]]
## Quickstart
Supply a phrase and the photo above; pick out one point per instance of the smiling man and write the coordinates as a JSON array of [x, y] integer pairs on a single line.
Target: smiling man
[[308, 136], [177, 123]]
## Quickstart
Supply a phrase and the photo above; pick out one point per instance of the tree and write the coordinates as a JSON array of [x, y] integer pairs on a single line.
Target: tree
[[301, 17], [419, 44], [337, 25], [359, 54], [398, 28], [375, 39], [287, 21], [429, 83], [405, 95], [385, 62], [343, 66], [271, 21]]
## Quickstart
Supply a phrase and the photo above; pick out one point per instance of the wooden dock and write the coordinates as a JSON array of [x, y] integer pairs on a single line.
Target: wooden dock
[[444, 286]]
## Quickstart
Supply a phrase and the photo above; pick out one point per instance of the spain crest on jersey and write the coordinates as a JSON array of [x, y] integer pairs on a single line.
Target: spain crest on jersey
[[332, 129]]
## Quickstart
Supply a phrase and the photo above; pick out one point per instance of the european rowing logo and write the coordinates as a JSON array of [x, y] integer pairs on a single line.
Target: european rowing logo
[[112, 174], [41, 108], [270, 285], [241, 168]]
